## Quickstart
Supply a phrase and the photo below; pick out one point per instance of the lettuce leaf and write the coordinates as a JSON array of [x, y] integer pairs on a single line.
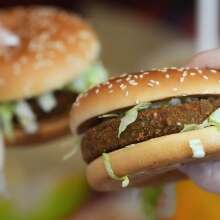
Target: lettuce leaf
[[131, 116], [94, 75], [149, 201], [212, 120], [109, 170], [6, 119]]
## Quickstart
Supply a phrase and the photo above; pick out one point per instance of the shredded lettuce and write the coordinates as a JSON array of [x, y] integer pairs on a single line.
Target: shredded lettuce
[[112, 115], [190, 127], [212, 120], [94, 75], [149, 200], [76, 143], [26, 117], [197, 148], [131, 116], [6, 116], [109, 170], [47, 102], [2, 165]]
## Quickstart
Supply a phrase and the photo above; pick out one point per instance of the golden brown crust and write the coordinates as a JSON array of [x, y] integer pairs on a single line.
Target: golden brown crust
[[48, 129], [55, 47], [149, 161], [127, 90]]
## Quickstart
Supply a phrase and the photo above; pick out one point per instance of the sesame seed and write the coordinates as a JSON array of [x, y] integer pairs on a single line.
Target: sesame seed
[[180, 69], [192, 74], [219, 81], [126, 93], [205, 77], [179, 123], [187, 68], [164, 70], [145, 73], [199, 71], [110, 86], [167, 76], [137, 101], [213, 71], [173, 68], [118, 80], [141, 76], [132, 82], [185, 73], [110, 91], [135, 76], [97, 91], [175, 89], [123, 86], [123, 75], [150, 84]]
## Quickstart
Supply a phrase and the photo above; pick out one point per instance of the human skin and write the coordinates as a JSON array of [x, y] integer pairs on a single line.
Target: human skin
[[205, 174]]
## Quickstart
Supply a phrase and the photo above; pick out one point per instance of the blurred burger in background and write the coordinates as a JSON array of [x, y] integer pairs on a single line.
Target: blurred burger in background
[[47, 57], [55, 58]]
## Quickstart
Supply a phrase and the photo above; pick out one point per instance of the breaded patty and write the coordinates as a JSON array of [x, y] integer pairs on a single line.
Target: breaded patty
[[150, 123]]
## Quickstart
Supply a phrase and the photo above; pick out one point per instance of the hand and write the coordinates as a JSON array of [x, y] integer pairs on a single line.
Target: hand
[[7, 38], [205, 174]]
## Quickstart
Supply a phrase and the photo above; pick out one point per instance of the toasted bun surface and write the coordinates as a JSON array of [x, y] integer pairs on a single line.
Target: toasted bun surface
[[129, 89], [48, 129], [54, 48], [154, 160]]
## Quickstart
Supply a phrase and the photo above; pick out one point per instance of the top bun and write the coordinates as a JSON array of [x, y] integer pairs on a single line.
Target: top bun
[[129, 89], [54, 48]]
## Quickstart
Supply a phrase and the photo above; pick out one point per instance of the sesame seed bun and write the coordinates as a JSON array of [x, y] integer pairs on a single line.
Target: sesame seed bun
[[154, 161], [55, 47], [130, 89]]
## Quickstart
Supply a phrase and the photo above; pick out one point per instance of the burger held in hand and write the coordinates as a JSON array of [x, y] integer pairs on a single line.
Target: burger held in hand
[[138, 129]]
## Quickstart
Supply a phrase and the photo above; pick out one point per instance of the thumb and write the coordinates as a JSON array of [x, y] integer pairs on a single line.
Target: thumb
[[205, 174]]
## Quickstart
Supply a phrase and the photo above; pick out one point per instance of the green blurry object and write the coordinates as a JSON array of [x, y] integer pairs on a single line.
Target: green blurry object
[[62, 200], [149, 200], [94, 75], [6, 116]]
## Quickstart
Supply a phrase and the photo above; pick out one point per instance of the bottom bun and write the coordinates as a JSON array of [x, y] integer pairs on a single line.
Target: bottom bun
[[48, 129], [154, 161]]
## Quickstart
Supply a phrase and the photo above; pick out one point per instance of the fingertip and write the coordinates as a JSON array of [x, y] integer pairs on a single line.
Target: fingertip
[[206, 59]]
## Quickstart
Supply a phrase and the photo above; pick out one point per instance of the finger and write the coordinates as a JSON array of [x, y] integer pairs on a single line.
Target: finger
[[205, 174], [207, 59]]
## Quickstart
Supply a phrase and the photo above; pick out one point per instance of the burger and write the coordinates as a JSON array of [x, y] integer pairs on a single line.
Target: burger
[[55, 57], [137, 129]]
